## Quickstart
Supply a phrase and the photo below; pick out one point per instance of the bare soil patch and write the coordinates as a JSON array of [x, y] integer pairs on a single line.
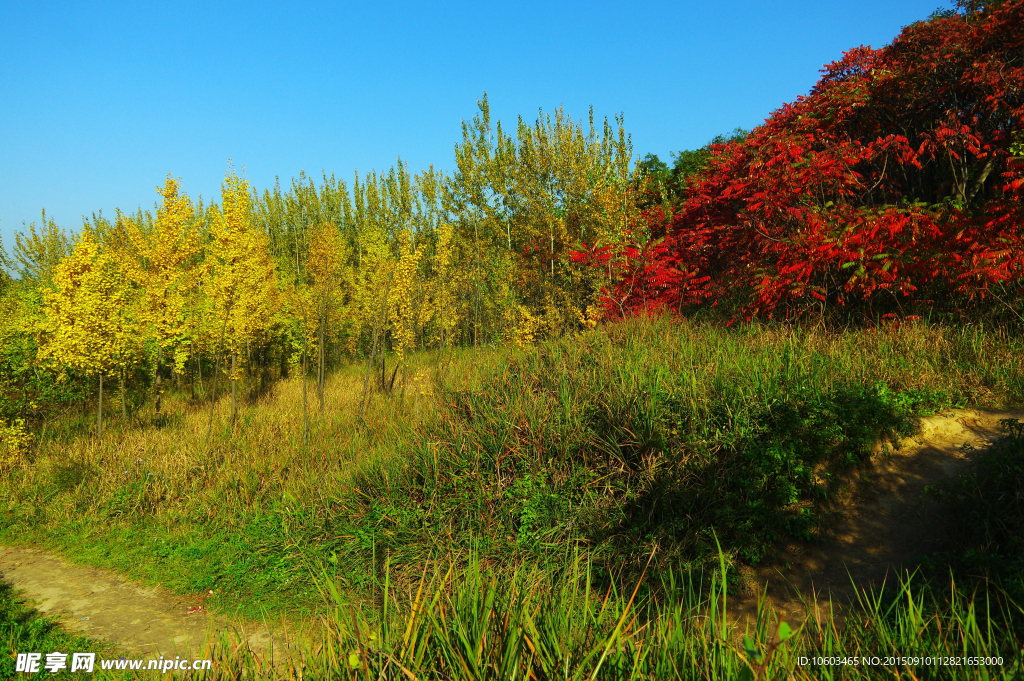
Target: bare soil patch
[[884, 525], [138, 620]]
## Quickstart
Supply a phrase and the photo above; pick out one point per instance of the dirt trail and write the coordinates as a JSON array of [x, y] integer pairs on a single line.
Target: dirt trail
[[137, 620], [886, 523]]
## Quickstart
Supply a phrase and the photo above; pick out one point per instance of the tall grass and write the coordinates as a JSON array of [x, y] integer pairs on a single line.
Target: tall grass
[[461, 622], [647, 438], [464, 623], [650, 434], [154, 498]]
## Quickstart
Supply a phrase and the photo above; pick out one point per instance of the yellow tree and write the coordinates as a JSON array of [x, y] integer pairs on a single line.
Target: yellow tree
[[329, 283], [241, 282], [405, 303], [445, 308], [163, 264], [86, 325], [372, 284], [299, 298], [376, 263]]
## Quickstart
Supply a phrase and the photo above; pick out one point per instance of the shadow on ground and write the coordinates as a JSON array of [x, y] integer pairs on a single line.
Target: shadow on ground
[[884, 526]]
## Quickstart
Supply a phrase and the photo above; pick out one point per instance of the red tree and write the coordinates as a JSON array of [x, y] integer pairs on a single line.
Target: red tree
[[900, 173]]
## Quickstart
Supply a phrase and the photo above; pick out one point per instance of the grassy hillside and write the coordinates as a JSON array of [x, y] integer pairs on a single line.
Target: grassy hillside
[[633, 436], [626, 455]]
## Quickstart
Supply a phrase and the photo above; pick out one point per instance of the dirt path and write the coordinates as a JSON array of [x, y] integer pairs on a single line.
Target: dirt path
[[883, 524], [886, 523], [140, 621]]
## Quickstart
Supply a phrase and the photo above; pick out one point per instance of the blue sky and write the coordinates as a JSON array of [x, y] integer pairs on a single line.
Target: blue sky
[[99, 101]]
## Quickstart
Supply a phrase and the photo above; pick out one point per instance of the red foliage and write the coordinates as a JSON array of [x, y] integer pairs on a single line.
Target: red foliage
[[894, 174]]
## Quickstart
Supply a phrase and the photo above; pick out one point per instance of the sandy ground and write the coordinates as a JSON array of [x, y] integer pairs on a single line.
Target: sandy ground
[[884, 524], [138, 621]]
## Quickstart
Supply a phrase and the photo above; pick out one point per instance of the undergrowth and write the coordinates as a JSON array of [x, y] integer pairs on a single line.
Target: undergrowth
[[651, 436], [634, 439], [987, 504]]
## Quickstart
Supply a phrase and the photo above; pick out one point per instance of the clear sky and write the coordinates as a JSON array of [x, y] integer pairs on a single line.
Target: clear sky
[[99, 101]]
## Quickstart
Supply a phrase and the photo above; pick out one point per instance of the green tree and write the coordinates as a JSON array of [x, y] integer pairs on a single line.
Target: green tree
[[36, 253]]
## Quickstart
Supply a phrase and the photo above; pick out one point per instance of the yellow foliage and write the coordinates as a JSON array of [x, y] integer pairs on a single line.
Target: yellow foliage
[[405, 297], [327, 258], [589, 318], [15, 442], [164, 267], [242, 279], [86, 326], [444, 305], [372, 279], [521, 326], [330, 280]]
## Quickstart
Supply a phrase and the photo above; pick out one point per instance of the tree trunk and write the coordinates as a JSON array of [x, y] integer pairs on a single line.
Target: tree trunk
[[980, 181], [124, 390], [369, 369], [320, 367], [248, 369], [213, 395], [99, 410], [305, 409], [552, 253], [476, 246], [216, 371], [405, 379], [264, 349], [284, 360], [373, 351], [159, 391], [234, 380]]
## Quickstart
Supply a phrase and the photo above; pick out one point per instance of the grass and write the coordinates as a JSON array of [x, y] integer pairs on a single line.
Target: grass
[[156, 498], [652, 434], [646, 438], [988, 512], [466, 624], [463, 622]]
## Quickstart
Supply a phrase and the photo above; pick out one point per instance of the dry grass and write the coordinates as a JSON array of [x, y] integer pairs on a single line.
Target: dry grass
[[261, 491], [261, 514], [266, 440]]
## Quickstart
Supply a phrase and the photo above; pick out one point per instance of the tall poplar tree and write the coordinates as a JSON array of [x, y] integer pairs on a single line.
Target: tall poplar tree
[[36, 253], [328, 283], [87, 327], [242, 278], [164, 265]]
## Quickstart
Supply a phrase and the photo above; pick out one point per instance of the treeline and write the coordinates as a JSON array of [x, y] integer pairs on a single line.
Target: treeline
[[257, 285]]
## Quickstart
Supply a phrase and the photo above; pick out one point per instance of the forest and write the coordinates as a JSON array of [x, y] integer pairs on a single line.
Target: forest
[[557, 366], [317, 274]]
